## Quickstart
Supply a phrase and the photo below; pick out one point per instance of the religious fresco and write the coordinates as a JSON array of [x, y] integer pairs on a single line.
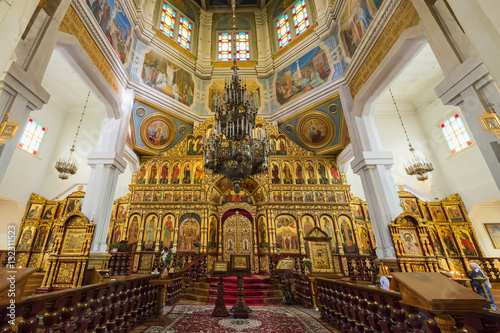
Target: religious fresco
[[319, 128], [278, 146], [231, 196], [494, 233], [217, 95], [334, 174], [161, 74], [354, 22], [347, 234], [315, 130], [307, 224], [150, 232], [24, 243], [262, 232], [454, 213], [195, 146], [117, 235], [35, 211], [410, 242], [154, 131], [49, 212], [410, 205], [112, 19], [189, 232], [303, 75], [157, 132], [186, 175], [286, 234], [449, 242], [176, 170], [466, 243], [323, 177], [437, 213], [40, 239], [212, 234], [336, 51], [326, 224], [364, 241], [133, 229], [357, 212]]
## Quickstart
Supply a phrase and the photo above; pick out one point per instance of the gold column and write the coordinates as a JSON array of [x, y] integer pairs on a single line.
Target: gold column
[[158, 231], [272, 231], [300, 231], [176, 228], [204, 223]]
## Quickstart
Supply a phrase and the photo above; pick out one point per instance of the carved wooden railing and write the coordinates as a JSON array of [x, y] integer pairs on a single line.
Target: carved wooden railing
[[302, 292], [490, 267], [357, 308], [194, 267], [174, 288], [299, 265], [120, 262], [116, 306], [4, 255], [361, 268]]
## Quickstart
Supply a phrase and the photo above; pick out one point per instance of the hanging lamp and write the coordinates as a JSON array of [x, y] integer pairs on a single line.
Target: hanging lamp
[[416, 165], [67, 166]]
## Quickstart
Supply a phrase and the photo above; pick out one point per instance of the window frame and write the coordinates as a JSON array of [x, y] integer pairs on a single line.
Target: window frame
[[21, 146], [306, 18], [279, 28], [463, 129], [175, 31], [289, 11], [218, 33], [174, 16], [179, 32]]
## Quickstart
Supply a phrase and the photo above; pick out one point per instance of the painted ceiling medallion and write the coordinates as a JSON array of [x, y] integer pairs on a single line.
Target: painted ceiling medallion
[[157, 131], [316, 130]]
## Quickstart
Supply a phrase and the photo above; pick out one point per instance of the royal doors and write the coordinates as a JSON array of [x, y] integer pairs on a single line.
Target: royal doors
[[237, 235]]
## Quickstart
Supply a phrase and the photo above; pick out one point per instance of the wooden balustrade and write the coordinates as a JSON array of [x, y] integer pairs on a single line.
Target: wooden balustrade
[[116, 306], [302, 292], [361, 268], [120, 264], [174, 288], [4, 255], [358, 308]]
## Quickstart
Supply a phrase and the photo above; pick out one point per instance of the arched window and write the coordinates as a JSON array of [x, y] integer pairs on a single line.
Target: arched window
[[167, 22], [185, 30], [225, 47], [175, 25], [300, 18], [283, 30], [32, 137]]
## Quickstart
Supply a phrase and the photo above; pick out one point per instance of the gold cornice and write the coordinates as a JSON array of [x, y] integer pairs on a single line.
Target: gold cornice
[[157, 108], [314, 106], [228, 64], [295, 41]]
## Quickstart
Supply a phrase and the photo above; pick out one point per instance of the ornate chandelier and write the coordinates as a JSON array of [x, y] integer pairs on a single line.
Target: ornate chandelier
[[416, 165], [236, 148], [67, 166]]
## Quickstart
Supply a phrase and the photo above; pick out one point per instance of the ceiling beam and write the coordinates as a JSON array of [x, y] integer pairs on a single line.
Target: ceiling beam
[[204, 4], [262, 4]]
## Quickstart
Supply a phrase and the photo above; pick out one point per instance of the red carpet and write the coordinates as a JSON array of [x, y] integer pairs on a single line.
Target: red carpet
[[257, 291], [191, 318]]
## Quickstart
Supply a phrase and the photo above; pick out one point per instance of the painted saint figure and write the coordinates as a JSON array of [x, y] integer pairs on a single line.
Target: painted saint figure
[[298, 172], [187, 175], [164, 174]]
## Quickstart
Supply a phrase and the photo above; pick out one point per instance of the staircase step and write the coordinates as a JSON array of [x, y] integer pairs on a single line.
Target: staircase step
[[234, 286], [249, 300], [247, 280], [248, 293]]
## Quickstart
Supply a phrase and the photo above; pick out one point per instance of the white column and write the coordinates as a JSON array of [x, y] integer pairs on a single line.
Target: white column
[[100, 194], [204, 58], [374, 168], [472, 88], [107, 162], [264, 65], [481, 30]]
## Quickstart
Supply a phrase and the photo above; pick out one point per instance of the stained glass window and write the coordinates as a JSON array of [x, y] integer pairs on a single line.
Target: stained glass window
[[184, 36], [32, 137], [300, 18], [455, 133], [283, 30], [167, 20], [242, 46], [225, 51]]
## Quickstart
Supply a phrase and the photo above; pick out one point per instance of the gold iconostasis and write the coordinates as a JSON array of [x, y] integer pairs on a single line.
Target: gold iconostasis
[[174, 202]]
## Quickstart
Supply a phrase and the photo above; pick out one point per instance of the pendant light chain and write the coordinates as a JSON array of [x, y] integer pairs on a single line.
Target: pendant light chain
[[80, 123], [400, 119]]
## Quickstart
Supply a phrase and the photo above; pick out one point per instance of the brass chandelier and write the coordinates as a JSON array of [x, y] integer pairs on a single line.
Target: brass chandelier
[[236, 148], [416, 165], [67, 166]]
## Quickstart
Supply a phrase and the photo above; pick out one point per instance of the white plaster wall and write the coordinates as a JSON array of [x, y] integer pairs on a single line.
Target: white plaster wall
[[90, 129], [124, 180], [481, 214], [11, 213], [464, 172], [393, 139]]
